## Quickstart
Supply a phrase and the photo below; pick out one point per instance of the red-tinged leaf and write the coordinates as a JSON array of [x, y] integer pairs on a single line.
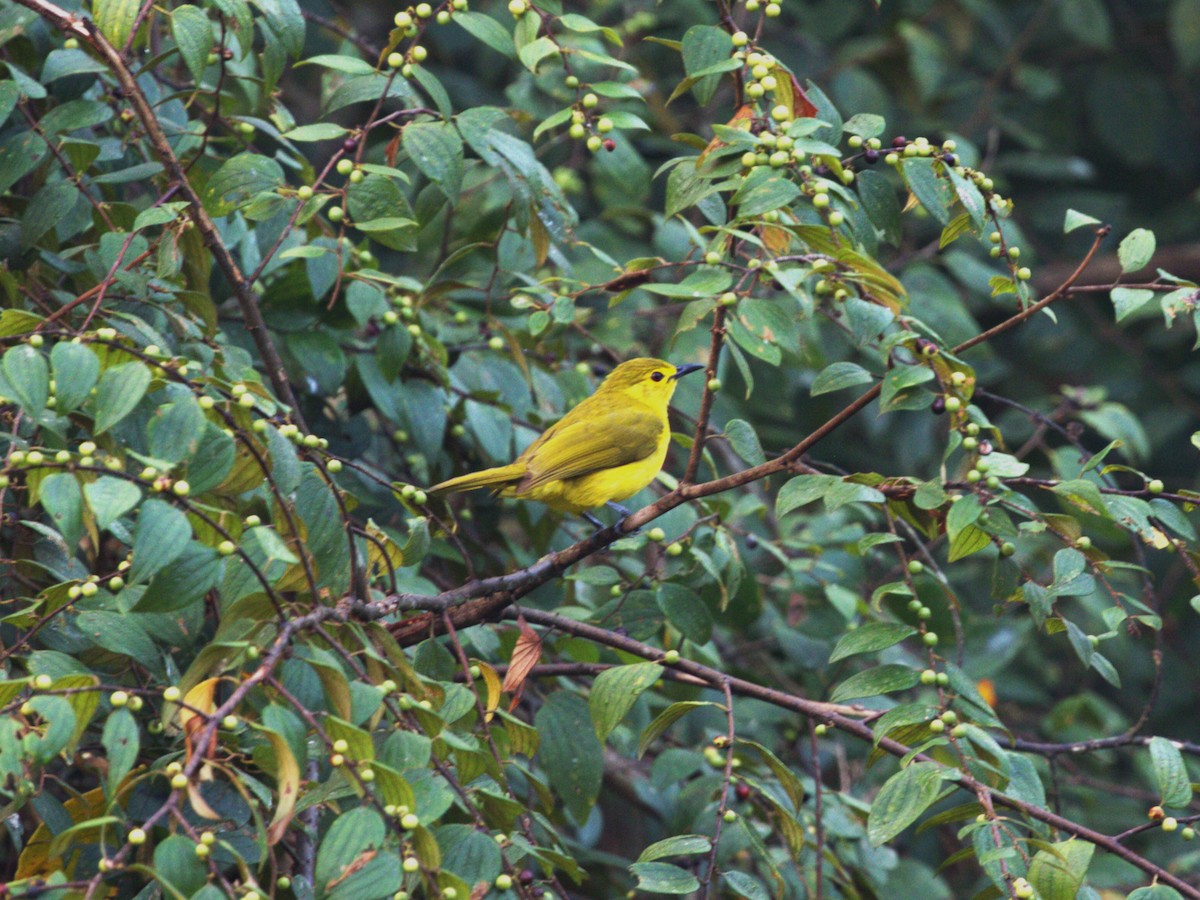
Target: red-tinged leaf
[[525, 656]]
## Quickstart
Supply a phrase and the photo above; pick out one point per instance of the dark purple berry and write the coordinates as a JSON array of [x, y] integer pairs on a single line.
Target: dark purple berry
[[950, 159], [350, 144], [526, 876], [939, 405], [871, 156], [899, 141]]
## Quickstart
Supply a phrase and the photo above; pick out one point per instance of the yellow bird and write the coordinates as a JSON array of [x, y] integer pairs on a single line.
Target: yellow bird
[[606, 449]]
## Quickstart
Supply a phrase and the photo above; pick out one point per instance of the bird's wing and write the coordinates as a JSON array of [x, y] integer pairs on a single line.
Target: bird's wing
[[602, 441]]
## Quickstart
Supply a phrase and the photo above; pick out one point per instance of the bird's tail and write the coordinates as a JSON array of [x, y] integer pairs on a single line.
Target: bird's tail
[[496, 478]]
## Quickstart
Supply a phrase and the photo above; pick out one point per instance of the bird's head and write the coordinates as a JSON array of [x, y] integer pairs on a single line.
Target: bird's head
[[651, 381]]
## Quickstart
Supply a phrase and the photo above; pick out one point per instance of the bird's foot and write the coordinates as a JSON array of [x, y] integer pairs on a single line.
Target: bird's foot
[[625, 513]]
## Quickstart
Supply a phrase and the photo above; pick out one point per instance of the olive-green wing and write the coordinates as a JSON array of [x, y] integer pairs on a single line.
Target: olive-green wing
[[602, 441]]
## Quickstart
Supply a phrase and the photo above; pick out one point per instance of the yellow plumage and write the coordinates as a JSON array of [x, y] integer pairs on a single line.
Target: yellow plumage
[[606, 449]]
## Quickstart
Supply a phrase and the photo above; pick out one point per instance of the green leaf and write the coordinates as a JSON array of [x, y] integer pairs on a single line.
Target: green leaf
[[471, 855], [175, 430], [486, 29], [380, 205], [616, 690], [881, 205], [705, 46], [121, 743], [669, 717], [865, 125], [897, 381], [196, 571], [161, 535], [902, 799], [1057, 872], [1155, 892], [884, 679], [176, 863], [349, 841], [802, 490], [1128, 301], [10, 93], [76, 369], [115, 19], [679, 845], [1170, 773], [28, 377], [934, 193], [1136, 250], [698, 285], [788, 779], [436, 150], [1184, 33], [963, 514], [969, 540], [350, 65], [286, 21], [686, 611], [870, 638], [744, 440], [584, 25], [664, 878], [839, 375], [745, 885], [239, 181], [1087, 21], [570, 753], [320, 131], [532, 54], [110, 498], [764, 190], [121, 388], [61, 497], [193, 33], [119, 633], [1075, 219]]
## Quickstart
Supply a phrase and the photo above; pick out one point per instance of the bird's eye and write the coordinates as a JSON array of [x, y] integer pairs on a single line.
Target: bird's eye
[[656, 376]]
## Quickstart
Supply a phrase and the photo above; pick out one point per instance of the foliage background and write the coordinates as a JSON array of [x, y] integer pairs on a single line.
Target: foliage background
[[470, 301]]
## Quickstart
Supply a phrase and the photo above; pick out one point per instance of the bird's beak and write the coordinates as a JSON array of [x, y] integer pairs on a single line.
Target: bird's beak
[[680, 371]]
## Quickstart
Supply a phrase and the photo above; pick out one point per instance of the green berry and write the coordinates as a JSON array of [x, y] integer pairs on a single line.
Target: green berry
[[1155, 486]]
